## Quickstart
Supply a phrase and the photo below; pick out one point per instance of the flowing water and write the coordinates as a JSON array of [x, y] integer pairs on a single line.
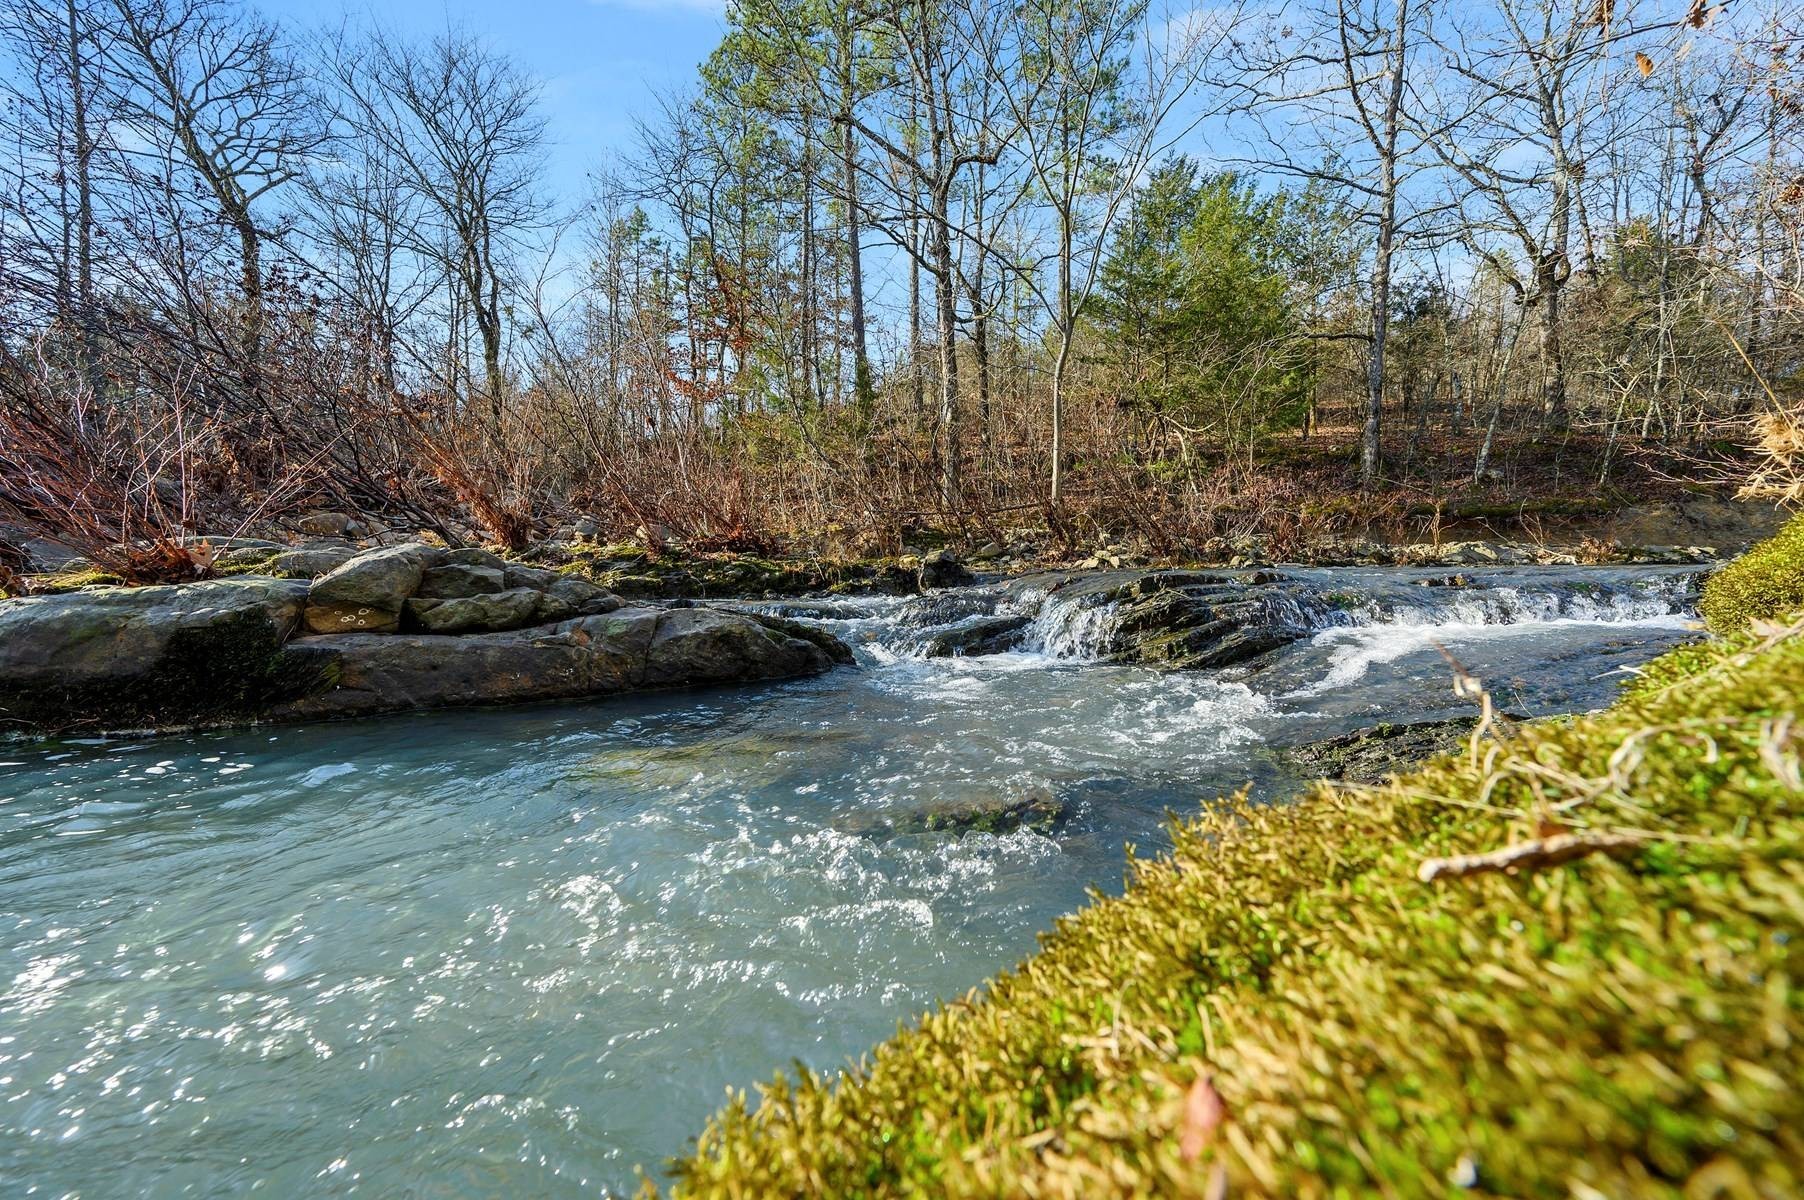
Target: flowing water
[[522, 952]]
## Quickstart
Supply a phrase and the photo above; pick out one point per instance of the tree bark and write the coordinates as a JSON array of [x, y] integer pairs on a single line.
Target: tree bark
[[1369, 440], [863, 384], [947, 296], [85, 316], [250, 261]]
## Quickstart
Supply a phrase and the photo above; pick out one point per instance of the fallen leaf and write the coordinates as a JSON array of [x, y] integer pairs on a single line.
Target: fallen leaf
[[1204, 1111]]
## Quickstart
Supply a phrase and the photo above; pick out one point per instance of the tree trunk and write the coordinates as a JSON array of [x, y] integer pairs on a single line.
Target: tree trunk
[[1369, 446], [86, 318], [1058, 418], [1061, 360], [947, 294], [917, 377], [1553, 366], [863, 385], [250, 253]]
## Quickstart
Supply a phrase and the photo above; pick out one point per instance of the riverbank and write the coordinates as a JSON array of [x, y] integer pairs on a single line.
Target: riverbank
[[359, 632], [1561, 962], [1700, 529]]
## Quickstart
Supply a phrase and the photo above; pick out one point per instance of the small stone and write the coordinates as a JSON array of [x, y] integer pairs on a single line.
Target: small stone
[[327, 524], [550, 608], [308, 562], [583, 596], [530, 577], [942, 569], [473, 557], [654, 536]]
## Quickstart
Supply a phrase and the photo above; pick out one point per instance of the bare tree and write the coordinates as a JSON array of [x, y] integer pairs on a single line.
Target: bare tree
[[1092, 115], [54, 123], [215, 88], [462, 128], [1539, 78], [1349, 72]]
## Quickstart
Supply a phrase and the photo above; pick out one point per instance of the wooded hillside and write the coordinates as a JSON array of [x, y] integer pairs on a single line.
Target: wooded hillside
[[1099, 268]]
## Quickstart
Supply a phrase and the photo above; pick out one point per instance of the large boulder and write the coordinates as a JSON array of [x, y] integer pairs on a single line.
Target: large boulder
[[128, 657], [456, 580], [626, 650], [366, 594], [1372, 755], [982, 635], [486, 613]]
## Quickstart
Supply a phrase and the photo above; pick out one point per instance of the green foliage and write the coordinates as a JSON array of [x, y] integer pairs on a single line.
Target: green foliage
[[1198, 298], [1766, 583], [1607, 1027]]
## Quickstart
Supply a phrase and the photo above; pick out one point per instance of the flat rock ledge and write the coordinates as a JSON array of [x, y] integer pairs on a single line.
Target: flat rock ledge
[[230, 651]]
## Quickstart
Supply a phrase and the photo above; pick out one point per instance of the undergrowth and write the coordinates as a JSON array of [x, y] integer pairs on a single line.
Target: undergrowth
[[1282, 1006]]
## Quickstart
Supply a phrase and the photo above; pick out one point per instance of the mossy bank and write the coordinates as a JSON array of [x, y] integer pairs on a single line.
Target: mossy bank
[[1282, 1005]]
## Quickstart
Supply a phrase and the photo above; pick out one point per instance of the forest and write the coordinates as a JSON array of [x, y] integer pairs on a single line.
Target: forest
[[1099, 269]]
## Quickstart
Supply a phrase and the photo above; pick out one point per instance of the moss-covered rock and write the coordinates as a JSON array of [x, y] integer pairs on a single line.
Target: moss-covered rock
[[1766, 583], [676, 574], [1374, 754], [124, 657]]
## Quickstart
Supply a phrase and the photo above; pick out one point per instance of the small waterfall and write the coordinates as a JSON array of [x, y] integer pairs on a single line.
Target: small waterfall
[[1479, 602], [1080, 627], [1080, 619]]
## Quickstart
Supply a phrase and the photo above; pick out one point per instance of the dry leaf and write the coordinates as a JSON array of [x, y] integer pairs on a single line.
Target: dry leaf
[[1204, 1111], [1644, 64]]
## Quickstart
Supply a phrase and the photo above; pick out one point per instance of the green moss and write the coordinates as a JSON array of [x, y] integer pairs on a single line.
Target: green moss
[[1766, 583], [672, 574], [58, 582], [1628, 1027], [1682, 663]]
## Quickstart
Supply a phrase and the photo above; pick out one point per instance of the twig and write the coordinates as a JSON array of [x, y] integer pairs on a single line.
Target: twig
[[1530, 856]]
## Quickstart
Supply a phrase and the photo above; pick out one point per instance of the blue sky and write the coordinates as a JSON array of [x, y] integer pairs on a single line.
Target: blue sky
[[600, 61]]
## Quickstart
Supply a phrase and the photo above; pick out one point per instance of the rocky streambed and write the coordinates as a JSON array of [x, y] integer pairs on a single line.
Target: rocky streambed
[[524, 949], [412, 626]]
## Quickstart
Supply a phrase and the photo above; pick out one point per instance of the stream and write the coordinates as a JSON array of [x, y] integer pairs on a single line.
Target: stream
[[525, 951]]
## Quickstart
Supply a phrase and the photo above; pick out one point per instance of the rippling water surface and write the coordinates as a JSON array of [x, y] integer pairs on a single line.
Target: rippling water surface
[[522, 952]]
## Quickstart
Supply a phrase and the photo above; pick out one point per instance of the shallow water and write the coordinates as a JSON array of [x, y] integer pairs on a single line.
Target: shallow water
[[523, 951]]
